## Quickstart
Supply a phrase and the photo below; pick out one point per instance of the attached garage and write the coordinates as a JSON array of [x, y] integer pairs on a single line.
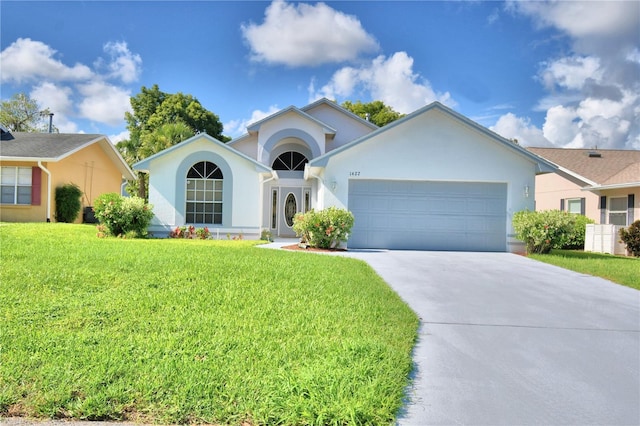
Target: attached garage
[[428, 215]]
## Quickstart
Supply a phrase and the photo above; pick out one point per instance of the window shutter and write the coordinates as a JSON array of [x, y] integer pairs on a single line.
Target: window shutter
[[583, 208], [631, 199], [36, 185], [562, 204], [603, 209]]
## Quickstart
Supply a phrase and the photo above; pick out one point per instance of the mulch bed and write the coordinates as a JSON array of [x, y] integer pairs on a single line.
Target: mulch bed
[[296, 247]]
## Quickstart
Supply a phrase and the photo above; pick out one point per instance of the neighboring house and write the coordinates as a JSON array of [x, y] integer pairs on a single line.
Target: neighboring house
[[601, 184], [32, 165], [431, 180]]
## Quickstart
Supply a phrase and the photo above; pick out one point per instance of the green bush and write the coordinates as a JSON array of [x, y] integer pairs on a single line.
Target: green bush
[[631, 237], [68, 203], [123, 215], [575, 238], [542, 231], [324, 228]]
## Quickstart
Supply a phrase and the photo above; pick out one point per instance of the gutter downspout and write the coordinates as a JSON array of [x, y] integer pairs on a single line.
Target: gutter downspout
[[274, 175], [308, 174], [44, 169]]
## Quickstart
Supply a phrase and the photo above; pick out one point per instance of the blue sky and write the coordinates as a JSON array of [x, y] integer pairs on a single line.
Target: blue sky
[[563, 74]]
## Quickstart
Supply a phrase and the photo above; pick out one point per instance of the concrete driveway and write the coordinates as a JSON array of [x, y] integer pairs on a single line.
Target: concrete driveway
[[506, 340]]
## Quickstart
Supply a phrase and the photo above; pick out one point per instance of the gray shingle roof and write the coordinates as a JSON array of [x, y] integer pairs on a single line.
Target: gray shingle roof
[[43, 145]]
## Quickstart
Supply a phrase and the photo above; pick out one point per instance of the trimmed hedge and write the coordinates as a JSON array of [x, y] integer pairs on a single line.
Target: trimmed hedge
[[68, 203]]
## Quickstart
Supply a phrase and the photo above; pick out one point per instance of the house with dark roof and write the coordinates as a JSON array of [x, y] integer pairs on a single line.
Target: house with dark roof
[[433, 179], [601, 184], [32, 165]]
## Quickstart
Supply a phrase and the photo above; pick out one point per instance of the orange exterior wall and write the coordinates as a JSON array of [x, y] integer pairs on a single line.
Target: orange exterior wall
[[90, 168]]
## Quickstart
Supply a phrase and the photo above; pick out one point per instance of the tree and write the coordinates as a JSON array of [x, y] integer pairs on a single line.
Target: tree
[[377, 112], [22, 114], [160, 120]]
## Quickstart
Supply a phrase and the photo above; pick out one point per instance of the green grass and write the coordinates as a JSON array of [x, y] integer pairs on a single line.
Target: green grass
[[185, 331], [621, 270]]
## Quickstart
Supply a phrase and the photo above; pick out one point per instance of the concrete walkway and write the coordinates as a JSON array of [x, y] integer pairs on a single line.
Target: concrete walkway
[[506, 340]]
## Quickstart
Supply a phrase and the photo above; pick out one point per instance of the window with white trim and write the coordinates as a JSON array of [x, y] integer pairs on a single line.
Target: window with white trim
[[15, 185], [574, 205], [291, 161], [204, 194], [618, 211]]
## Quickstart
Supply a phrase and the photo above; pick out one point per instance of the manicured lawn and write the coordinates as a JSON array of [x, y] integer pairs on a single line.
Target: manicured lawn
[[177, 331], [622, 270]]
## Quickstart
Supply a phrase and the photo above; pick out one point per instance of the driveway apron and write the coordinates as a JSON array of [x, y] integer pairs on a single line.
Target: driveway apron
[[506, 340]]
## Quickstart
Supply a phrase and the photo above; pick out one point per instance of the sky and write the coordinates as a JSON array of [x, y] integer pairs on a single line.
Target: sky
[[547, 73]]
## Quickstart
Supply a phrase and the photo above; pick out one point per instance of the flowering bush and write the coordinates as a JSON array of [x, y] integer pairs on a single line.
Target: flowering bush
[[323, 228], [190, 232], [631, 237], [122, 216], [542, 231]]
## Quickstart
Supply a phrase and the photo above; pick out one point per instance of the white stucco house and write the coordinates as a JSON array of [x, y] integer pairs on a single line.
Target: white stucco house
[[432, 180]]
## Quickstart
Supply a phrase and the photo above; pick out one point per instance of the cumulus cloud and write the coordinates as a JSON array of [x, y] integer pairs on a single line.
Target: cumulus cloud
[[306, 35], [123, 64], [389, 79], [593, 92], [103, 102], [521, 129], [27, 60], [99, 93], [235, 128]]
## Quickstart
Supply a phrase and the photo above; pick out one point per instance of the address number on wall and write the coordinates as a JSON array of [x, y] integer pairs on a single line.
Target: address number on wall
[[354, 173]]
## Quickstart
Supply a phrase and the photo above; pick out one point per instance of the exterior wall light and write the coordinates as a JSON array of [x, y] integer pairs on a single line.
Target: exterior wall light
[[526, 191]]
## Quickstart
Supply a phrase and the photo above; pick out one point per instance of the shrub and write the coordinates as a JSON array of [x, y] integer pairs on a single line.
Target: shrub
[[190, 233], [542, 231], [123, 216], [325, 228], [68, 203], [631, 237], [575, 238]]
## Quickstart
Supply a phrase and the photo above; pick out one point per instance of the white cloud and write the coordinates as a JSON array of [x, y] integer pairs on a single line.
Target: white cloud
[[570, 72], [513, 127], [306, 35], [235, 128], [593, 91], [119, 137], [124, 64], [27, 60], [59, 101], [390, 80], [103, 102]]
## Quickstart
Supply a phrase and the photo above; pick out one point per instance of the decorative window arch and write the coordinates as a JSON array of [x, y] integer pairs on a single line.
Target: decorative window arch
[[291, 161], [204, 194]]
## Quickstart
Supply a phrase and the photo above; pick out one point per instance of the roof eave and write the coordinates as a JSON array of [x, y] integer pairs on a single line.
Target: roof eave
[[612, 186]]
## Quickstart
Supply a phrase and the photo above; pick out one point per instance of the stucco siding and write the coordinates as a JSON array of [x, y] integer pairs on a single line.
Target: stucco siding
[[248, 146], [433, 147], [241, 195], [347, 128], [551, 188]]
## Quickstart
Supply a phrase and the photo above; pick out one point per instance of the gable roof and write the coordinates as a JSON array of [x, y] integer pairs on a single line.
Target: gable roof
[[595, 168], [543, 165], [255, 127], [143, 165], [53, 147], [334, 105]]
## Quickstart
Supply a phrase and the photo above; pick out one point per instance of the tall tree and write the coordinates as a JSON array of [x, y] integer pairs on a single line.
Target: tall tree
[[376, 112], [22, 114], [160, 120]]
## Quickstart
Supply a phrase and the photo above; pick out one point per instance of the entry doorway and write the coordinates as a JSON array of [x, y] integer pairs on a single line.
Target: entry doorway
[[286, 202]]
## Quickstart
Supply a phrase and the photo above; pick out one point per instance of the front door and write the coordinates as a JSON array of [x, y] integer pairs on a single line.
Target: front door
[[292, 200]]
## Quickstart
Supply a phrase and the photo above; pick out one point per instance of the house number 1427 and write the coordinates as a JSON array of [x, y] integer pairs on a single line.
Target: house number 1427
[[354, 173]]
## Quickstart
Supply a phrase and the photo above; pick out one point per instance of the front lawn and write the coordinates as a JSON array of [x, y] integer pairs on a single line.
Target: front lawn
[[622, 270], [186, 331]]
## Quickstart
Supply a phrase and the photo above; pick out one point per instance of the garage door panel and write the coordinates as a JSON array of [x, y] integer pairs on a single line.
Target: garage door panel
[[428, 215]]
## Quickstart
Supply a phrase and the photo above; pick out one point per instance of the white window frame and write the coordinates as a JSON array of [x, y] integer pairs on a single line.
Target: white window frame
[[20, 183], [617, 212], [205, 195], [576, 201]]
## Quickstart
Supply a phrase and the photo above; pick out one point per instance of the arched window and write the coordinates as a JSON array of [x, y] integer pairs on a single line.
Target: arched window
[[204, 194], [290, 160]]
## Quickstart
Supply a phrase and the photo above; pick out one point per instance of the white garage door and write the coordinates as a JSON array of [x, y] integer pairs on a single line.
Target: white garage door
[[419, 215]]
